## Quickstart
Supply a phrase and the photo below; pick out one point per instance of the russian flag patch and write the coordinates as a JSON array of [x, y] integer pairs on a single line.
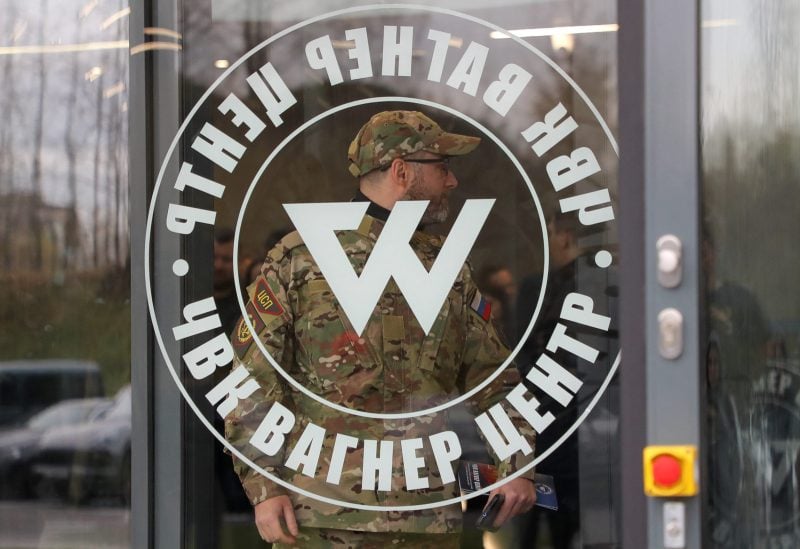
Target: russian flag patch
[[481, 306]]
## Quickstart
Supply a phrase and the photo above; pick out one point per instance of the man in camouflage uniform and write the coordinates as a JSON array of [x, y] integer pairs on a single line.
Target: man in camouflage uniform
[[392, 367]]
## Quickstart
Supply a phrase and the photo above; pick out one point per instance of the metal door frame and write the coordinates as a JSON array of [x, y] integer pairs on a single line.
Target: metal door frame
[[157, 441], [659, 194]]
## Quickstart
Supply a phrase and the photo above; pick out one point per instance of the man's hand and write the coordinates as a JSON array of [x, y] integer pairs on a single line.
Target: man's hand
[[520, 496], [269, 515]]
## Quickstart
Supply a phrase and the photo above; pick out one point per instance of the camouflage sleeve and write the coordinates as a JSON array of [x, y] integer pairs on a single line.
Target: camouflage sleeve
[[270, 313], [485, 351]]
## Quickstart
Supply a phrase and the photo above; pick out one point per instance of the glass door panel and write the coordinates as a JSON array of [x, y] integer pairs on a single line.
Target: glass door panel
[[750, 137], [271, 97]]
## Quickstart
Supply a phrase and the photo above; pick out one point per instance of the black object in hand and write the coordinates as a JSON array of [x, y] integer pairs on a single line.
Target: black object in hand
[[489, 514]]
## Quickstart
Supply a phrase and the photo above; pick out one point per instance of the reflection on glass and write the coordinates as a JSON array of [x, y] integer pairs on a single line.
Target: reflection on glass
[[64, 275], [571, 262], [751, 135], [580, 38]]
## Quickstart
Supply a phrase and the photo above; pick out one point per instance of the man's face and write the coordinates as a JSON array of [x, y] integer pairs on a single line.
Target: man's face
[[503, 281], [223, 265], [432, 181], [559, 244]]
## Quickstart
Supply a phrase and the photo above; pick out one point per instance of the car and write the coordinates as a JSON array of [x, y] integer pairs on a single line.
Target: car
[[19, 444], [82, 461], [29, 386]]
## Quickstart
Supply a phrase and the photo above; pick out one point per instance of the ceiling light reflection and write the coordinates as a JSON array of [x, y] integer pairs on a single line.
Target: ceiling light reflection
[[550, 31], [163, 32], [586, 29], [148, 46], [64, 48], [717, 23], [116, 89], [93, 74], [88, 8], [19, 29], [564, 42], [115, 17], [343, 44]]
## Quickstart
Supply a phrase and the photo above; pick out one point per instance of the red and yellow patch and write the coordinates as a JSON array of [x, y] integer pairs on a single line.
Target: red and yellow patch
[[265, 301], [242, 337]]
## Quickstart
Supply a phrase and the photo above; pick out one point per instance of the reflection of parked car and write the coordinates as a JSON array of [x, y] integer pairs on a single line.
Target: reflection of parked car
[[18, 445], [28, 386], [90, 459]]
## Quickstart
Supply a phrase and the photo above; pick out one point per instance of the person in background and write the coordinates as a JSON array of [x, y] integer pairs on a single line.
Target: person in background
[[562, 464], [500, 289], [224, 287]]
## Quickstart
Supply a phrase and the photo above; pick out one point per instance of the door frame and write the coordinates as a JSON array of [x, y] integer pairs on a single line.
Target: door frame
[[658, 194]]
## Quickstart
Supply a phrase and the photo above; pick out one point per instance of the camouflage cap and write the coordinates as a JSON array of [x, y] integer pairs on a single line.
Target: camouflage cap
[[394, 134]]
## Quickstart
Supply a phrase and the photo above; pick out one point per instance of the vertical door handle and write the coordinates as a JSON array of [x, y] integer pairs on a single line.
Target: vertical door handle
[[670, 260]]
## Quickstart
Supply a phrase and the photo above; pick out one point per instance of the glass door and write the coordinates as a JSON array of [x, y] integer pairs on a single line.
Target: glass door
[[254, 108], [749, 188], [65, 275]]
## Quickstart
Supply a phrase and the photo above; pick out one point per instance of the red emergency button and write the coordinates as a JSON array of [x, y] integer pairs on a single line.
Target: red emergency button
[[670, 471], [666, 471]]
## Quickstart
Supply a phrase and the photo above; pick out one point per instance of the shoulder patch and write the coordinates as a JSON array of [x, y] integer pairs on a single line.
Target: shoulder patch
[[264, 299], [480, 305], [242, 337]]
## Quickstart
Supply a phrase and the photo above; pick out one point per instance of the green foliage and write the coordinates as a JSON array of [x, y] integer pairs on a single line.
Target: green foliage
[[87, 317]]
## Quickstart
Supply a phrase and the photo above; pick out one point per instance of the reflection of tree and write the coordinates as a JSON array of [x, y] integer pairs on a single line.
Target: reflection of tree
[[38, 129], [98, 139], [7, 148], [115, 250], [47, 187], [777, 57], [119, 156], [62, 173], [748, 175], [71, 151]]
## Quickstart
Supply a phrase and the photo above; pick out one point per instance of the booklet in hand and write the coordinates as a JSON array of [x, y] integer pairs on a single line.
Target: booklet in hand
[[474, 476]]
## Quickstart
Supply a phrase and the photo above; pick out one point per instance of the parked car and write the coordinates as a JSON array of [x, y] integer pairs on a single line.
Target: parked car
[[19, 445], [89, 459], [29, 386]]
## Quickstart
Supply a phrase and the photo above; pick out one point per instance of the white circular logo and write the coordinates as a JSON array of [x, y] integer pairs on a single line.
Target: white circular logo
[[457, 77]]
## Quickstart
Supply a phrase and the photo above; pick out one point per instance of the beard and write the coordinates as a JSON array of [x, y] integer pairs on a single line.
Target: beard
[[438, 207], [223, 281]]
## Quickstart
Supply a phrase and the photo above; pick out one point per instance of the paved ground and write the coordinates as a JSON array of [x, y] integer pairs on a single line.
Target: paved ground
[[49, 525], [99, 525]]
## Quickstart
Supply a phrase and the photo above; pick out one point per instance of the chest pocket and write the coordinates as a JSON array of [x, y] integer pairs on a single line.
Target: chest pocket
[[333, 351], [442, 349]]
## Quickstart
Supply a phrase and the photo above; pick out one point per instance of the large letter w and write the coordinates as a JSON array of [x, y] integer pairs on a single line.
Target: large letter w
[[392, 256]]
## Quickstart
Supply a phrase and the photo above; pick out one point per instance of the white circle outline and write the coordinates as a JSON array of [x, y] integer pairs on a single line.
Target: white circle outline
[[149, 294], [237, 229]]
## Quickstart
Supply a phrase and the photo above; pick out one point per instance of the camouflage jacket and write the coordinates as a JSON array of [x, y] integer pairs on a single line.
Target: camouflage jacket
[[392, 367]]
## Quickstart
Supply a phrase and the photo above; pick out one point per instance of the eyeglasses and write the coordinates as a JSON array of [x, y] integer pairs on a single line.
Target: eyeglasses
[[444, 161]]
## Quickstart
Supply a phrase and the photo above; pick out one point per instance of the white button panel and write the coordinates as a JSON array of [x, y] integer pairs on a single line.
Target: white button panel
[[670, 333], [674, 525]]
